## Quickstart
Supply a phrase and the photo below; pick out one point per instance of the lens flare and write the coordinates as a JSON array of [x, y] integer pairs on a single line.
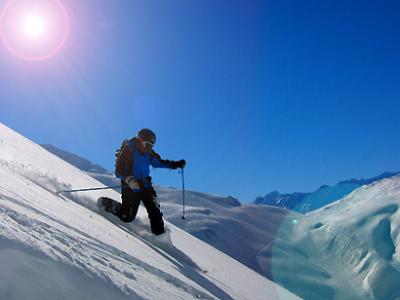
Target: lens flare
[[34, 26], [34, 29]]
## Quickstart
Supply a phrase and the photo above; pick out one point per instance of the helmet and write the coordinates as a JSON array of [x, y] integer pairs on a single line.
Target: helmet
[[147, 135]]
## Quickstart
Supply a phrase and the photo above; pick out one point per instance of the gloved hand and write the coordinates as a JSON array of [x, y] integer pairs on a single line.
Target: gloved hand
[[178, 164], [132, 182]]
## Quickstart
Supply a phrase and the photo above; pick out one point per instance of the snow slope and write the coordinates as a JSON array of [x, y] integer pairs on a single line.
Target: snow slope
[[349, 249], [62, 247], [75, 160], [241, 231], [346, 250]]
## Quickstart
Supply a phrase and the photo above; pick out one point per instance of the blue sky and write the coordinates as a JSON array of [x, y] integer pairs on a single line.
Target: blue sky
[[255, 95]]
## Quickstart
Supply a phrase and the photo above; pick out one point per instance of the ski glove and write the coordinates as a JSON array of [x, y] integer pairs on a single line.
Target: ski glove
[[177, 164], [132, 182]]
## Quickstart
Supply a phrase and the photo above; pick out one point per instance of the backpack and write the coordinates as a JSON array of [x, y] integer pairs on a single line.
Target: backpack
[[127, 143]]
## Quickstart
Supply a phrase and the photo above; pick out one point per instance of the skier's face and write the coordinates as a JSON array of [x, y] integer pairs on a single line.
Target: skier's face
[[145, 146]]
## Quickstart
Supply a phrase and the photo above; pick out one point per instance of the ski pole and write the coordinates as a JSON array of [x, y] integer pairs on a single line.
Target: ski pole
[[90, 189], [183, 195]]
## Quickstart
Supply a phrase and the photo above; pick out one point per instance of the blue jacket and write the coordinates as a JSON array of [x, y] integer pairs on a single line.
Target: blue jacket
[[131, 162]]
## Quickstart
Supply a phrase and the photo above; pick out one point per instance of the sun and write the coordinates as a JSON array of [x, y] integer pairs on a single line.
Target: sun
[[34, 26], [34, 29]]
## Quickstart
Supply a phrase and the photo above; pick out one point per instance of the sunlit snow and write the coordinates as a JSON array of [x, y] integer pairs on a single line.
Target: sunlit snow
[[63, 247], [348, 249]]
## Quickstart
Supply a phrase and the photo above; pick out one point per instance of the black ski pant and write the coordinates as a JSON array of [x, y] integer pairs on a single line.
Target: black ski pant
[[130, 205]]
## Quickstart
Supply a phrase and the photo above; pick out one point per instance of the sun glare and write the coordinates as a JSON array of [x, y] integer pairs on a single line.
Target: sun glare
[[34, 26], [34, 29]]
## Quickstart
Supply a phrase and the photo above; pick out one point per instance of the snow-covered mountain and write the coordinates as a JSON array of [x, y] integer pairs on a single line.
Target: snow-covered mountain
[[306, 202], [75, 160], [349, 249], [289, 201], [56, 246]]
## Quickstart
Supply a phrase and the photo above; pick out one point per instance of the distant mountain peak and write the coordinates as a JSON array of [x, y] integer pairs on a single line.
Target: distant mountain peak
[[324, 186], [370, 180], [325, 194], [233, 201], [75, 160], [273, 193]]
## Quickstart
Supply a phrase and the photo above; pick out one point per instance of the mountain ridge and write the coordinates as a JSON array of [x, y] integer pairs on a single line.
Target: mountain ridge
[[325, 194]]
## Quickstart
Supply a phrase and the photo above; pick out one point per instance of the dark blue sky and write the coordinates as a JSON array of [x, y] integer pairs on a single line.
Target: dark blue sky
[[255, 95]]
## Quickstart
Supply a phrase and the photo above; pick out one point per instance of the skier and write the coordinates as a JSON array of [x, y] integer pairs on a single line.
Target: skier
[[133, 162]]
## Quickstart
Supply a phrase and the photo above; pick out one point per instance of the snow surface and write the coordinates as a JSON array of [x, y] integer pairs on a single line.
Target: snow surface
[[240, 230], [62, 247], [349, 249], [312, 255]]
